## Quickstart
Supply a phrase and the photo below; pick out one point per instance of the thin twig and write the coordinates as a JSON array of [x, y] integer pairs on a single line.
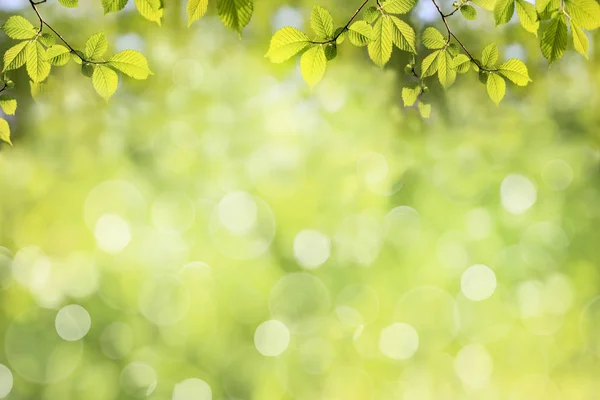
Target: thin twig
[[452, 35], [345, 28], [43, 23]]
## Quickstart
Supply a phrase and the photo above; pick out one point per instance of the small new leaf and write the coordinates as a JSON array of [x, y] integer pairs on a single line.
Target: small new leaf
[[8, 105], [433, 39], [410, 95], [424, 110], [496, 87], [312, 65], [468, 12], [105, 81], [5, 131], [321, 22], [286, 43], [17, 27]]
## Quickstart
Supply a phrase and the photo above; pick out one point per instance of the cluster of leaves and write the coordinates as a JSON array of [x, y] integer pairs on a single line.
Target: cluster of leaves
[[380, 30], [38, 51]]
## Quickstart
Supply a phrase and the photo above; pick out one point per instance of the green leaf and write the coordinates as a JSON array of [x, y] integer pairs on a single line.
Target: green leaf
[[105, 81], [446, 72], [486, 4], [461, 63], [58, 55], [580, 40], [410, 95], [503, 11], [585, 13], [196, 10], [429, 66], [321, 22], [399, 6], [371, 14], [312, 65], [8, 105], [424, 109], [360, 33], [96, 46], [404, 35], [15, 57], [330, 51], [37, 65], [489, 55], [468, 12], [88, 69], [286, 43], [554, 38], [17, 27], [380, 49], [5, 131], [152, 10], [69, 3], [528, 16], [132, 63], [47, 39], [546, 8], [515, 71], [540, 5], [113, 5], [235, 14], [433, 39], [496, 87]]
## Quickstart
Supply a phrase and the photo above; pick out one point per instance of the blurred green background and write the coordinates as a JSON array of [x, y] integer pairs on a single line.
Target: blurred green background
[[221, 232]]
